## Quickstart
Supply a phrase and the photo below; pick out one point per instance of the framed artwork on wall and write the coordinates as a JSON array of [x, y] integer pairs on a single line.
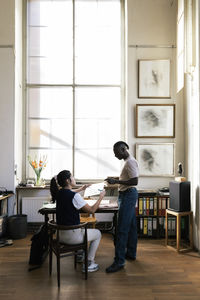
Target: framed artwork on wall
[[155, 120], [155, 159], [154, 78]]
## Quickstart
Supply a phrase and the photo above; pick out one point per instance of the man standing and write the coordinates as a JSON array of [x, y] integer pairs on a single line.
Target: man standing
[[126, 242]]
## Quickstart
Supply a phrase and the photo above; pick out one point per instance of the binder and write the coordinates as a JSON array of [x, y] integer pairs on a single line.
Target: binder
[[140, 206], [163, 206], [141, 226], [151, 206], [136, 208], [144, 206], [167, 203], [150, 227], [161, 227], [147, 206], [155, 206], [154, 233], [160, 206], [145, 231]]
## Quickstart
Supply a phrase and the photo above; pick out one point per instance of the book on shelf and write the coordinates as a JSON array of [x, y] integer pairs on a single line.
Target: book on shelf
[[137, 207], [145, 226], [150, 227], [140, 206], [155, 206], [154, 227], [144, 206], [147, 206], [141, 227], [151, 206]]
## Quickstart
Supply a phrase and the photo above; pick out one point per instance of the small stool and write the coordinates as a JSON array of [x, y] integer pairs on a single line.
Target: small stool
[[178, 216]]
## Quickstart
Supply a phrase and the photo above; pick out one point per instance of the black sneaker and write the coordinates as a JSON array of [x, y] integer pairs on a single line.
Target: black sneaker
[[114, 268], [128, 257]]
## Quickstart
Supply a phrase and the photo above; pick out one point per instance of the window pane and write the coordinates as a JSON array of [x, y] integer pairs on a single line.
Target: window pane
[[96, 164], [39, 133], [50, 46], [50, 102], [97, 128], [98, 42], [63, 119], [50, 133]]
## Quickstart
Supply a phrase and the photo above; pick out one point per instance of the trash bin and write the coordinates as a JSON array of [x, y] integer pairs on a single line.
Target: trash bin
[[17, 226]]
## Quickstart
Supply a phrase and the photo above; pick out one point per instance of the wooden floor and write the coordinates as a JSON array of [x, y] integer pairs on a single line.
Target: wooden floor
[[158, 273]]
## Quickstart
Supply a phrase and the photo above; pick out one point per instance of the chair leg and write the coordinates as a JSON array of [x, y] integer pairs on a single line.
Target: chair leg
[[58, 269], [50, 261], [86, 264], [75, 259]]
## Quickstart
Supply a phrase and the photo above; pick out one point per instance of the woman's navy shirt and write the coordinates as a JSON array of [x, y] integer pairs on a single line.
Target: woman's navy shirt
[[66, 213]]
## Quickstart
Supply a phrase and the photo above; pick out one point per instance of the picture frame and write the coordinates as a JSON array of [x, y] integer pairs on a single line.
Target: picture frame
[[156, 159], [155, 120], [154, 78]]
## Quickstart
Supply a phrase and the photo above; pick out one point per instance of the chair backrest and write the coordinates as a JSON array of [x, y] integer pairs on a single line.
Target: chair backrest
[[55, 227]]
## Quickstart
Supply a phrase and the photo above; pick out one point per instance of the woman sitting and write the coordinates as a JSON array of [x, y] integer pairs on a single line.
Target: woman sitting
[[68, 204]]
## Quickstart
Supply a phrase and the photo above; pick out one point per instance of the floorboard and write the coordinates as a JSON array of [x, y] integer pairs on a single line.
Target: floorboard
[[158, 274]]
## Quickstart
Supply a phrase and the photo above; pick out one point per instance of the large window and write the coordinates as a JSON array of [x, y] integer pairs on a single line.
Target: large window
[[74, 85]]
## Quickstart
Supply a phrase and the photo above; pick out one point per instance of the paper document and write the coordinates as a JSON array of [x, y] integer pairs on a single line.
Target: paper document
[[94, 189], [104, 203], [49, 205]]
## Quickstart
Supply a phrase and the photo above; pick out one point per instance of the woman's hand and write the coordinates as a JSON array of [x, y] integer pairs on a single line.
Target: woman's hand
[[102, 194], [85, 186]]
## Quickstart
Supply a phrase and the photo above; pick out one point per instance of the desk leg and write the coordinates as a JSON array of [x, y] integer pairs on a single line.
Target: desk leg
[[178, 232], [166, 228], [46, 219]]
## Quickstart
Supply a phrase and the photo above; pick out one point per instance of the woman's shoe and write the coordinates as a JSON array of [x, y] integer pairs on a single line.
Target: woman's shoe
[[92, 267]]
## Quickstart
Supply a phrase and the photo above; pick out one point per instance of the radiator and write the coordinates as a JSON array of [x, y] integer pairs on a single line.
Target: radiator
[[30, 207]]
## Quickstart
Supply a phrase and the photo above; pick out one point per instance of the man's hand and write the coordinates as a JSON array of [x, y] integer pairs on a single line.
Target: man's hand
[[111, 180]]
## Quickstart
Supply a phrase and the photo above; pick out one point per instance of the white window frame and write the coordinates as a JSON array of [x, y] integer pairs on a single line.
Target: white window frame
[[74, 86]]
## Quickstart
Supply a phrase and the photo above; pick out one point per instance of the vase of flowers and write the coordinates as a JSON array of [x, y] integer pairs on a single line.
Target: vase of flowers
[[38, 166]]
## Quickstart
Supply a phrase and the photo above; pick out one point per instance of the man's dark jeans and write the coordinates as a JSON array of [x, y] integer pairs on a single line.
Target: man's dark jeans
[[127, 226]]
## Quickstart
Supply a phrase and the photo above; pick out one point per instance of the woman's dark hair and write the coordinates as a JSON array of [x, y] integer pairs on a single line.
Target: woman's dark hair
[[59, 180], [120, 143], [53, 189], [62, 177]]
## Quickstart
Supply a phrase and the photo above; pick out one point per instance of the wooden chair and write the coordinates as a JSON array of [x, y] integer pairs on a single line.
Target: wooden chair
[[86, 217], [62, 250]]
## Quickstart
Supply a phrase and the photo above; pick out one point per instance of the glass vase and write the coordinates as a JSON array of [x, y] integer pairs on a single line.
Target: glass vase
[[38, 180]]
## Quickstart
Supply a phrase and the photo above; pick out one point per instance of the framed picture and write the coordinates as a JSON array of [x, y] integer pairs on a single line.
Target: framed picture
[[155, 159], [154, 78], [155, 120]]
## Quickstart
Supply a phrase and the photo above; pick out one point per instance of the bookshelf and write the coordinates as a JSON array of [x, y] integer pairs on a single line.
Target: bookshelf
[[150, 213]]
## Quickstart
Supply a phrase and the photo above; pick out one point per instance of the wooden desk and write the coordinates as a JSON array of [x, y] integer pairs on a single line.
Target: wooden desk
[[51, 211], [4, 204], [178, 216]]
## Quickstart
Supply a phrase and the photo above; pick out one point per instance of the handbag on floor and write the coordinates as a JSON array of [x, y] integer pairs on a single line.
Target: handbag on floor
[[39, 248]]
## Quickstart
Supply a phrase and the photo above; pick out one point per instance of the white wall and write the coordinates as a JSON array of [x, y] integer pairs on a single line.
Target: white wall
[[152, 22], [9, 95], [18, 92]]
